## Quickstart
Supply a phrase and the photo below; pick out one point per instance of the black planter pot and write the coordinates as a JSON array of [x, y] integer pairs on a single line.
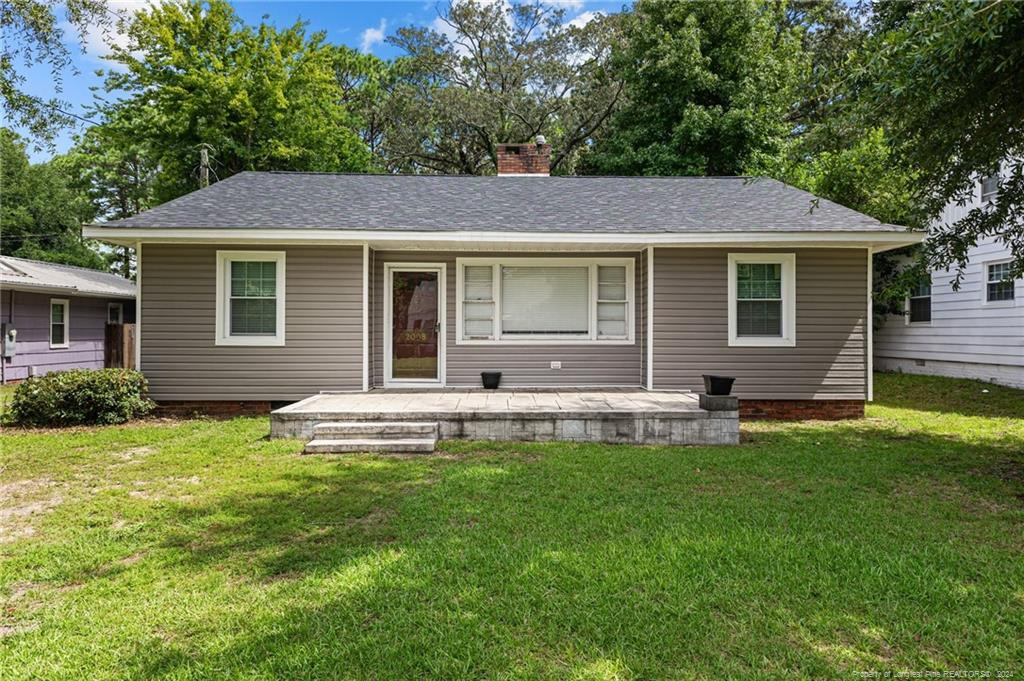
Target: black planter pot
[[491, 379], [718, 385]]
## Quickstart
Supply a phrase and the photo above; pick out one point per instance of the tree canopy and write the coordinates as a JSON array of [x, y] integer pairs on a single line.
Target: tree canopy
[[947, 79], [41, 215], [893, 108], [707, 88], [496, 72], [36, 35], [261, 98]]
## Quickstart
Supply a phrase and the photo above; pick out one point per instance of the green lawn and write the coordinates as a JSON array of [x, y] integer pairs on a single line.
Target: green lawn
[[200, 549]]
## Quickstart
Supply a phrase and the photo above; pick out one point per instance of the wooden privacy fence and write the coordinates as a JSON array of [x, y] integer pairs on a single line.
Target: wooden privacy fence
[[119, 346]]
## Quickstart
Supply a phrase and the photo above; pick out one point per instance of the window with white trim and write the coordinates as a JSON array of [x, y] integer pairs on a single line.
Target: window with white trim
[[59, 323], [919, 303], [998, 284], [762, 299], [250, 297], [612, 301], [547, 300], [990, 187], [115, 313]]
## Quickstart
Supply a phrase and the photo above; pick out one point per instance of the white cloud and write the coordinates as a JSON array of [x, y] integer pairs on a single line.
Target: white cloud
[[98, 40], [585, 18], [573, 5], [373, 36]]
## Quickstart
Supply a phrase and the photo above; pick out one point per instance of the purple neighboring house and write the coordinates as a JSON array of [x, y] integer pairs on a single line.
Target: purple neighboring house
[[55, 316]]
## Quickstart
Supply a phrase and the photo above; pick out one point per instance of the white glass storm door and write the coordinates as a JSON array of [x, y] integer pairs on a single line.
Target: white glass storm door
[[414, 325]]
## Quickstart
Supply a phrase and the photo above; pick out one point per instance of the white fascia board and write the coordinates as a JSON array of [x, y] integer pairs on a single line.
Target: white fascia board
[[478, 239], [25, 287]]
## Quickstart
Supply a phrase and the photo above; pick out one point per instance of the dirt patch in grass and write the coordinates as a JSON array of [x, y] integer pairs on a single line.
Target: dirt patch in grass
[[59, 430], [134, 453], [375, 518], [18, 601], [21, 628], [23, 500]]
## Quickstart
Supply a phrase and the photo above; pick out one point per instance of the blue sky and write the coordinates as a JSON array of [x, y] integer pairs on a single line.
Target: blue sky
[[361, 25]]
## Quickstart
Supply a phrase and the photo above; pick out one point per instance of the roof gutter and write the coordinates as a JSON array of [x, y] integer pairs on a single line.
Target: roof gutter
[[129, 236], [26, 287]]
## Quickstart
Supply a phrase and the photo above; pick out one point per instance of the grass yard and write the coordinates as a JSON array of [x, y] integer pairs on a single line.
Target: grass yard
[[199, 549]]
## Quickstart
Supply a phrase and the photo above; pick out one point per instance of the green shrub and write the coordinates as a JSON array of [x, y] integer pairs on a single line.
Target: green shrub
[[79, 397]]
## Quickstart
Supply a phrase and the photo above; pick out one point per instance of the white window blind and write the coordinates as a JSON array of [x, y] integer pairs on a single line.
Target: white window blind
[[990, 187], [478, 302], [759, 299], [545, 301], [253, 298]]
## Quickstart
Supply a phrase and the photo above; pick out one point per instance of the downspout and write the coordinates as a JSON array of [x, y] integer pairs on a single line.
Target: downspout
[[10, 321], [650, 317], [366, 317], [870, 320]]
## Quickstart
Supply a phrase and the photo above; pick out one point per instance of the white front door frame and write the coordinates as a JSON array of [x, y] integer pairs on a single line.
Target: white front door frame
[[442, 341]]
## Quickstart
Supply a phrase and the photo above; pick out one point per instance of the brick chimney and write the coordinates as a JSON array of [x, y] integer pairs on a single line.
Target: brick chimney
[[525, 159]]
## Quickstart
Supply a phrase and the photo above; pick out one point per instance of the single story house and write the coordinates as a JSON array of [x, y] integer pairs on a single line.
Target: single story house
[[270, 287], [55, 316]]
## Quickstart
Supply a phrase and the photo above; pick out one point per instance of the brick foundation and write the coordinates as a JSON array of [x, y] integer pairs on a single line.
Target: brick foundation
[[223, 409], [800, 410]]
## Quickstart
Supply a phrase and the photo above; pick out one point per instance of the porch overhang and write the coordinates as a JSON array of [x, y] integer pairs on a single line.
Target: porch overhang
[[482, 240]]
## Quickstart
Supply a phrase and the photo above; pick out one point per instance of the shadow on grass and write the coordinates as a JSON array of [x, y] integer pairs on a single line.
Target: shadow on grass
[[558, 560], [948, 395]]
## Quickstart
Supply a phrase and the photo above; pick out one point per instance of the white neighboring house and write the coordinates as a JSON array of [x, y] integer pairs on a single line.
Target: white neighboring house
[[975, 332]]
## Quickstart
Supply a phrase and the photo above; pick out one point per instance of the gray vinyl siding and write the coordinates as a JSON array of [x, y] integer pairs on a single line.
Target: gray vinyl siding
[[691, 326], [521, 365], [323, 327]]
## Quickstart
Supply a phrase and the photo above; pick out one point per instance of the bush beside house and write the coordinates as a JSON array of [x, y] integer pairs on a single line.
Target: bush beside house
[[80, 397]]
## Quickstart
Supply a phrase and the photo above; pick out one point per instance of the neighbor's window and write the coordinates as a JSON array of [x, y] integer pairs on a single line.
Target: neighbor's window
[[250, 298], [990, 187], [545, 299], [115, 313], [762, 299], [998, 285], [59, 323], [920, 302]]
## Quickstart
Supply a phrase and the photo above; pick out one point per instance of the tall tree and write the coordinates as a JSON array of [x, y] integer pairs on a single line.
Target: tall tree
[[834, 149], [947, 78], [489, 73], [708, 86], [114, 169], [35, 35], [260, 97], [40, 215]]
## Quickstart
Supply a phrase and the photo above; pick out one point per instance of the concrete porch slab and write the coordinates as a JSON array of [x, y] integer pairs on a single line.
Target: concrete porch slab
[[605, 415]]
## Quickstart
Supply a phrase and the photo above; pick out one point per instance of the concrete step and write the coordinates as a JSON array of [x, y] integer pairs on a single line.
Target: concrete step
[[372, 430], [425, 445]]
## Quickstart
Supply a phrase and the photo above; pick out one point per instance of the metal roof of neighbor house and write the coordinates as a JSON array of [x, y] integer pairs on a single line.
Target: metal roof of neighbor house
[[452, 203], [28, 275]]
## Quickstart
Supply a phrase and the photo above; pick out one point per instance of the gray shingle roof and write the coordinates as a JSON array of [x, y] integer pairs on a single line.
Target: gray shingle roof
[[442, 203], [18, 273]]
